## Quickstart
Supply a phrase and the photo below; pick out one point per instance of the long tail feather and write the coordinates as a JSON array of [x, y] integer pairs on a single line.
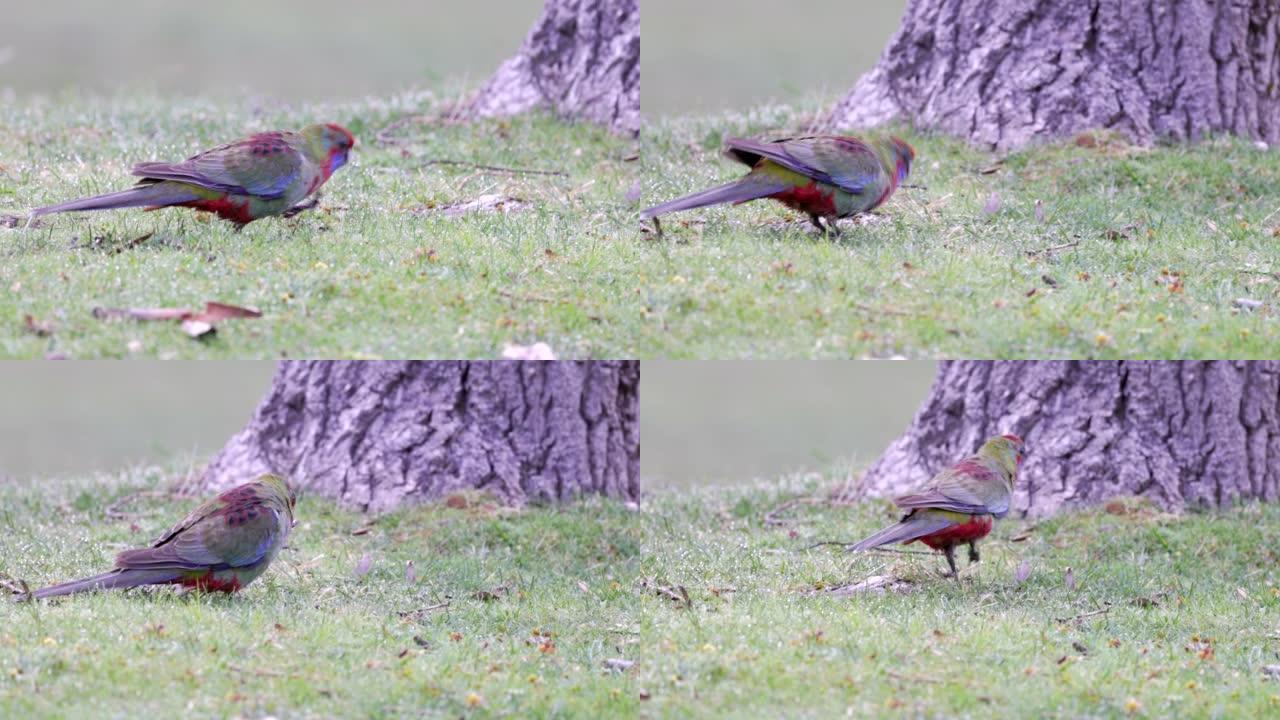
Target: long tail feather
[[114, 580], [916, 526], [155, 194], [735, 192]]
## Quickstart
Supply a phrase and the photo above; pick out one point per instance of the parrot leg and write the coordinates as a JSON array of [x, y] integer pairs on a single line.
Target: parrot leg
[[828, 228], [950, 550], [973, 552], [302, 207]]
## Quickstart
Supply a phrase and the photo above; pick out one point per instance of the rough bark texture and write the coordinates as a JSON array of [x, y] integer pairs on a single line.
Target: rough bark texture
[[377, 434], [582, 60], [1180, 433], [1005, 72]]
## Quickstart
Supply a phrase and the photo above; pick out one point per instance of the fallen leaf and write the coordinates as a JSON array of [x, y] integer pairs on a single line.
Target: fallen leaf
[[196, 328], [39, 328], [1039, 212], [992, 205], [194, 323], [410, 574], [363, 565], [1070, 579], [536, 351], [1023, 572], [488, 203]]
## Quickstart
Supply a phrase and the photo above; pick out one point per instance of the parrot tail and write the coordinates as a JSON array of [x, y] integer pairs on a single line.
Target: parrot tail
[[150, 194], [738, 191], [115, 580], [914, 526]]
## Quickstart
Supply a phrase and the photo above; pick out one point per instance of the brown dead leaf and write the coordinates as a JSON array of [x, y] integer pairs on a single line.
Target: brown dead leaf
[[39, 328], [484, 595], [487, 203], [14, 221], [194, 323]]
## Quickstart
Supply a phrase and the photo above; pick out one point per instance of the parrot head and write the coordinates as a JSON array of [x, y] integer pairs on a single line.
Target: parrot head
[[903, 156], [278, 492], [328, 145], [1006, 450]]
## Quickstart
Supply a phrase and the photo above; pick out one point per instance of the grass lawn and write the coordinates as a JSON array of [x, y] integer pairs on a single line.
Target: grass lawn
[[1139, 253], [380, 271], [508, 612], [1192, 614], [538, 600]]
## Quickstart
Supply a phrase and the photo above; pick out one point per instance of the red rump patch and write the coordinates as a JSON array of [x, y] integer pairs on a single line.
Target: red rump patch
[[225, 208], [810, 199], [209, 583], [975, 529]]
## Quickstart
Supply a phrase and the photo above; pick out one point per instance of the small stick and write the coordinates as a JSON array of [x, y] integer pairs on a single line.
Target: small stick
[[113, 510], [848, 545], [1053, 249], [1083, 616], [681, 597], [770, 517], [495, 168]]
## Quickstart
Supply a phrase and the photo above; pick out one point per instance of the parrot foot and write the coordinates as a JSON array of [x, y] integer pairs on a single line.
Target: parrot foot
[[973, 552], [829, 228], [950, 551], [301, 207]]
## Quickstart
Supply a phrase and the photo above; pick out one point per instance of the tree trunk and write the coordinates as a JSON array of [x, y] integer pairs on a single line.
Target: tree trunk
[[1183, 434], [377, 434], [1006, 72], [582, 60]]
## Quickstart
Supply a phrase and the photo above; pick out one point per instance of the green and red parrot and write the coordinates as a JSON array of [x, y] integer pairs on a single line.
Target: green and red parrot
[[262, 175], [222, 546], [822, 176], [959, 504]]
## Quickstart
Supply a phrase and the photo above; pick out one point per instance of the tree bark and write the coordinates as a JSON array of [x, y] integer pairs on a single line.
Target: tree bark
[[582, 60], [1184, 434], [1006, 72], [377, 434]]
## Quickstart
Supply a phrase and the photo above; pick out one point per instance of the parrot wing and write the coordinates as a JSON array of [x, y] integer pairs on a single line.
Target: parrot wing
[[960, 488], [211, 543], [847, 163], [913, 526], [264, 165]]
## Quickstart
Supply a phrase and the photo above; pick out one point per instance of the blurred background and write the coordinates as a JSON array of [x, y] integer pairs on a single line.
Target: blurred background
[[290, 49], [735, 421], [718, 54], [700, 421], [64, 418]]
